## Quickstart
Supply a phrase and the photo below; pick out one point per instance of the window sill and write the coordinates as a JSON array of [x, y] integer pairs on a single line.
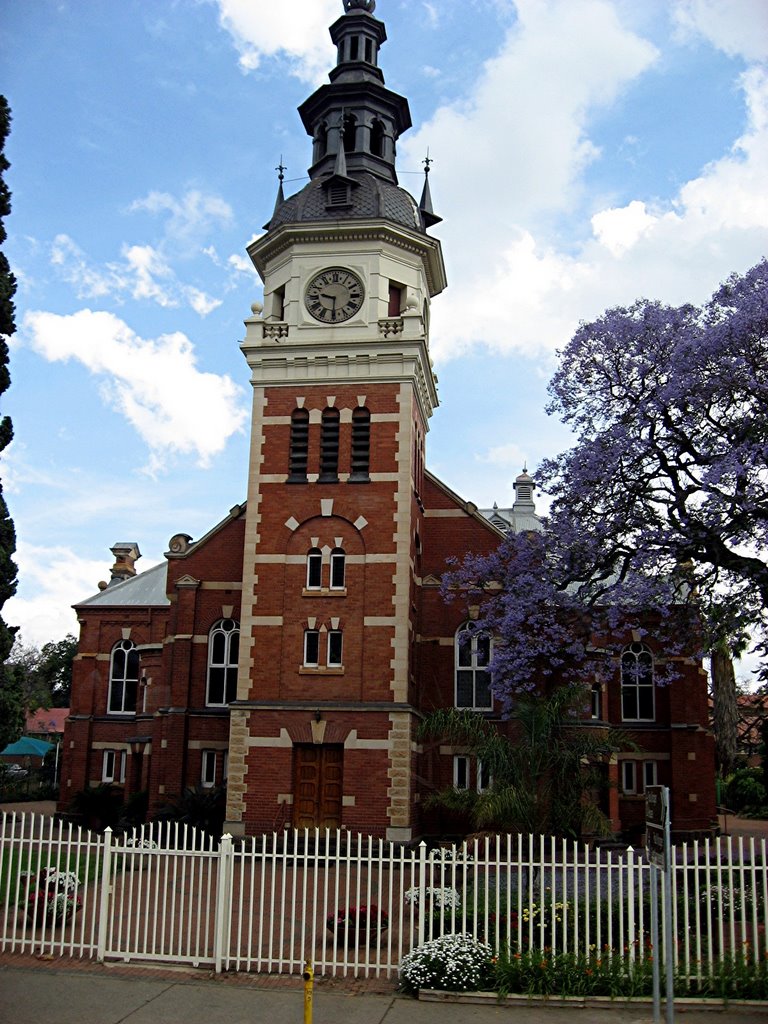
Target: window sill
[[324, 592], [122, 714], [319, 670]]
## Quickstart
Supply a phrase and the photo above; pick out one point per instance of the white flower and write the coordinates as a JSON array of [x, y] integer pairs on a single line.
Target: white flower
[[450, 855], [62, 881], [440, 899], [452, 962], [135, 843]]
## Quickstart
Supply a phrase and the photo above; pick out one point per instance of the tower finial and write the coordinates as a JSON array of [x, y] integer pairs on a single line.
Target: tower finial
[[428, 214], [281, 169], [360, 5]]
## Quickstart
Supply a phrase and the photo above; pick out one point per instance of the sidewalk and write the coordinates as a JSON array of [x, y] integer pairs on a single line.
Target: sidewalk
[[61, 992]]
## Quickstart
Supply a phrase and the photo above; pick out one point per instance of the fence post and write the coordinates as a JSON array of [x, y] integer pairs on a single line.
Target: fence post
[[422, 890], [106, 892], [223, 922], [630, 897]]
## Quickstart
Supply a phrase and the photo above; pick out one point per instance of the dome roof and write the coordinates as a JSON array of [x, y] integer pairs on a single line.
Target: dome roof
[[369, 197]]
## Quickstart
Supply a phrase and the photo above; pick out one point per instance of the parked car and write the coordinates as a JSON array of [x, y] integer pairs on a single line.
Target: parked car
[[15, 771]]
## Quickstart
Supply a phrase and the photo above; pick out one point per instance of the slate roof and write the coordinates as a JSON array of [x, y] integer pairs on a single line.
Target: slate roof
[[146, 588]]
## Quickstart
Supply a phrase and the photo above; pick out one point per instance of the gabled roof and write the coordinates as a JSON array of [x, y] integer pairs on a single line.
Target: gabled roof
[[147, 588], [467, 506]]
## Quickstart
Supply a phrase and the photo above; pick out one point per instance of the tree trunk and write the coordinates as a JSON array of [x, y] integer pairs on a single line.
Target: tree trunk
[[726, 714]]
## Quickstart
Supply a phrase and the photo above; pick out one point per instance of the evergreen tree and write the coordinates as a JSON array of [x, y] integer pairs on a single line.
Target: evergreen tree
[[11, 697]]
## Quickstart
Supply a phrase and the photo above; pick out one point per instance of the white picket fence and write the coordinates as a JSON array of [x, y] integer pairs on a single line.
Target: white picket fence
[[354, 906]]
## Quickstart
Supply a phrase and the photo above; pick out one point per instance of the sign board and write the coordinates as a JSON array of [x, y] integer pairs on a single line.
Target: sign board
[[656, 812], [655, 806], [655, 846]]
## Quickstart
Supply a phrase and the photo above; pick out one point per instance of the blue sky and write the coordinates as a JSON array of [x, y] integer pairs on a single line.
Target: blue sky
[[586, 152]]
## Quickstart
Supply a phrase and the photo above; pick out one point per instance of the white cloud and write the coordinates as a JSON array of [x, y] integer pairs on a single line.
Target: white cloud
[[155, 383], [56, 578], [738, 27], [619, 229], [144, 273], [297, 30], [190, 218], [506, 455], [508, 170]]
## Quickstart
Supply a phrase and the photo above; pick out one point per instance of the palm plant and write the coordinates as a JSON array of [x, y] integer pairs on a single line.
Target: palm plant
[[542, 775]]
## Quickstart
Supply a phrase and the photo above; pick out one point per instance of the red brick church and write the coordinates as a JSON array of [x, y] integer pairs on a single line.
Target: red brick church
[[292, 651]]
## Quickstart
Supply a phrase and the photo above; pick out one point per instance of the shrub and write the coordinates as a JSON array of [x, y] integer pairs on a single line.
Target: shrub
[[454, 963], [745, 789]]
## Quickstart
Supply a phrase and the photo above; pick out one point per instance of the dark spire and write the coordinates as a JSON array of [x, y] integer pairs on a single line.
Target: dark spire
[[428, 215], [281, 169], [372, 116]]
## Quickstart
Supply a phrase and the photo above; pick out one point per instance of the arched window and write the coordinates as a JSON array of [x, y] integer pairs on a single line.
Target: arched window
[[321, 141], [473, 679], [123, 678], [311, 648], [335, 648], [314, 569], [299, 451], [338, 569], [350, 133], [361, 445], [329, 446], [377, 138], [637, 689], [223, 650]]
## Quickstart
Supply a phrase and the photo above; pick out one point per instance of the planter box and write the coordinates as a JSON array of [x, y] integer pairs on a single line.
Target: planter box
[[750, 1008]]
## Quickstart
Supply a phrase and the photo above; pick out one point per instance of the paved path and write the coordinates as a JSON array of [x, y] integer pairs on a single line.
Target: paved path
[[61, 992]]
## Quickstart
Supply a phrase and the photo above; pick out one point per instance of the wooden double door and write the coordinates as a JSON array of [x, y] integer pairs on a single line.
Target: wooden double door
[[318, 785]]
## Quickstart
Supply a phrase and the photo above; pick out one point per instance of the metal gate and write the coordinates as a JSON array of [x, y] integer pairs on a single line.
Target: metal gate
[[168, 898]]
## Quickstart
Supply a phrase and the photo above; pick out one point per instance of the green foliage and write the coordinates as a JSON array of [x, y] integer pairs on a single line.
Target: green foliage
[[201, 807], [10, 711], [97, 807], [54, 670], [611, 973], [745, 789], [541, 775]]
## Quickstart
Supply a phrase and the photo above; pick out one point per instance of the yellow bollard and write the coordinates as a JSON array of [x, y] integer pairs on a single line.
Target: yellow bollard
[[308, 977]]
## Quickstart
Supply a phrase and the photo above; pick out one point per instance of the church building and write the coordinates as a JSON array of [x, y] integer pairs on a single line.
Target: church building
[[292, 651]]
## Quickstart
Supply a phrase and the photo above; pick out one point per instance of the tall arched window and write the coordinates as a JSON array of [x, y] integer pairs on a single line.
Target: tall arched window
[[329, 446], [223, 650], [299, 450], [377, 138], [361, 445], [350, 133], [637, 689], [321, 141], [338, 569], [123, 678], [473, 678], [314, 569]]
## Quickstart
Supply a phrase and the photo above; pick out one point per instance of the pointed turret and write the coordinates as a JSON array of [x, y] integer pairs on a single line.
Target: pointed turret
[[370, 116], [428, 215]]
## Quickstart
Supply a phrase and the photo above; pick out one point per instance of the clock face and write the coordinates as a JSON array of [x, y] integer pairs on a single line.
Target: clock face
[[334, 296]]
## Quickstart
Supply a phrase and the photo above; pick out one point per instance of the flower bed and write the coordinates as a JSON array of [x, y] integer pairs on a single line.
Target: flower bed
[[352, 925], [53, 898]]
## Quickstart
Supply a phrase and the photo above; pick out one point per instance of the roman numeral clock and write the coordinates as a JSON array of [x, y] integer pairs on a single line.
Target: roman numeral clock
[[334, 296]]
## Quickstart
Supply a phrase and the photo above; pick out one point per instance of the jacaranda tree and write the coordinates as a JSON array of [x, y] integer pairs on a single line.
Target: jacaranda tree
[[659, 516]]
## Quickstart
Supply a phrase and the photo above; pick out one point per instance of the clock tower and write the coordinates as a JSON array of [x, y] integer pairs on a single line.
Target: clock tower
[[322, 732]]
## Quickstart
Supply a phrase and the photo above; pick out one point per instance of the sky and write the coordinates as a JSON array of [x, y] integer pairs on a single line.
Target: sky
[[586, 153]]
